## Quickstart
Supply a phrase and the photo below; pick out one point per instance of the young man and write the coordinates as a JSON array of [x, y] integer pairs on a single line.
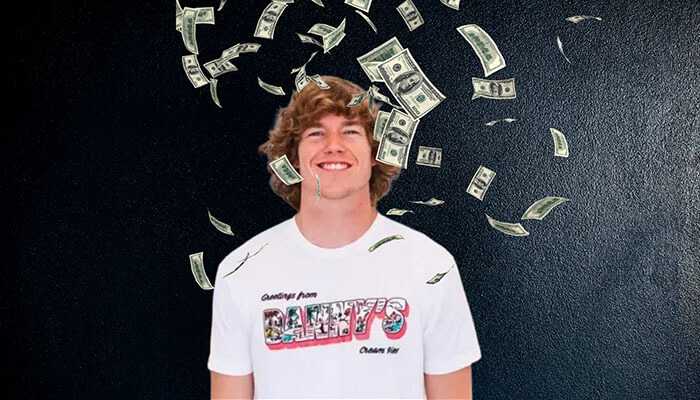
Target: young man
[[315, 313]]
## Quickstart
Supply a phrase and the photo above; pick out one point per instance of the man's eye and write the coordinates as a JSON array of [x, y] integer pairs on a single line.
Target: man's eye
[[353, 131], [314, 133]]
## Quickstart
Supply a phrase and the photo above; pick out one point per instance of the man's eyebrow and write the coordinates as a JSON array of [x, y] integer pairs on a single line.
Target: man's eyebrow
[[345, 123]]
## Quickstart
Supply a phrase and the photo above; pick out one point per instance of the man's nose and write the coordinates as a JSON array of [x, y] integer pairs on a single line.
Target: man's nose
[[334, 141]]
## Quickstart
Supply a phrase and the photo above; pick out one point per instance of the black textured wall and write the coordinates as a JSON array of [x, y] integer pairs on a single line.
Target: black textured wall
[[113, 159]]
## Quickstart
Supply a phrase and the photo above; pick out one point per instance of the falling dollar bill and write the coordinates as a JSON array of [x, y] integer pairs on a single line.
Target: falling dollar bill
[[502, 89], [304, 65], [432, 202], [395, 143], [410, 14], [265, 28], [438, 277], [221, 5], [398, 211], [363, 5], [194, 71], [480, 182], [507, 228], [204, 15], [453, 4], [217, 68], [380, 124], [370, 60], [276, 90], [429, 156], [308, 39], [213, 84], [189, 29], [318, 3], [220, 226], [561, 49], [375, 95], [485, 48], [409, 85], [285, 171], [318, 187], [578, 18], [385, 240], [247, 257], [561, 147], [239, 48], [333, 39], [539, 209], [200, 275], [316, 78], [494, 122], [357, 100], [369, 21]]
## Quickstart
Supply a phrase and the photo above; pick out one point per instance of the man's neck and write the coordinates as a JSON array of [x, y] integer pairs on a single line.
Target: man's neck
[[335, 223]]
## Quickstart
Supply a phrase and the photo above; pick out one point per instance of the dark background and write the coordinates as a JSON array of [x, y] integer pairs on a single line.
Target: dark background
[[113, 159]]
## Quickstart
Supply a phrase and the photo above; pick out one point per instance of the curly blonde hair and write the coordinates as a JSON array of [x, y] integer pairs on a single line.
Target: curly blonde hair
[[306, 108]]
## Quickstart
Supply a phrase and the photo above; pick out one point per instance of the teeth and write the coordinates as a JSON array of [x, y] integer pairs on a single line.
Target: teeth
[[334, 166]]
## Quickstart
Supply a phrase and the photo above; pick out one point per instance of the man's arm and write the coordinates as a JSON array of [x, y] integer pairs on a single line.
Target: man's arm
[[455, 385], [231, 386]]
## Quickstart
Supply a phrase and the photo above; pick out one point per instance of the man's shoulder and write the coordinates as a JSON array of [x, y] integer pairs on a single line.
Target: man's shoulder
[[419, 243], [253, 247]]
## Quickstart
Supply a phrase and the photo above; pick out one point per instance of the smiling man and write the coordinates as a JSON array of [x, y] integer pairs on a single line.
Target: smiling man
[[328, 309]]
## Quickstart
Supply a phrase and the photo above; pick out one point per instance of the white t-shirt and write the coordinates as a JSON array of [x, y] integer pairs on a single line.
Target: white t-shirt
[[313, 322]]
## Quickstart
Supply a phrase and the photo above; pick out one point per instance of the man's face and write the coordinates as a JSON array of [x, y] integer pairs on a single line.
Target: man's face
[[334, 138]]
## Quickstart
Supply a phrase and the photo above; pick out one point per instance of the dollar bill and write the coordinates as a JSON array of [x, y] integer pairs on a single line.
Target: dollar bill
[[246, 258], [357, 100], [380, 124], [539, 209], [369, 21], [220, 226], [333, 39], [429, 156], [375, 95], [363, 5], [409, 85], [301, 79], [384, 240], [204, 15], [200, 275], [370, 60], [438, 277], [560, 46], [485, 48], [276, 90], [453, 4], [285, 171], [395, 144], [398, 211], [561, 147], [221, 5], [239, 48], [501, 89], [318, 3], [410, 14], [321, 29], [316, 78], [507, 228], [308, 39], [267, 22], [318, 187], [579, 18], [304, 65], [480, 182], [432, 202], [194, 72], [494, 122], [216, 69], [189, 29], [213, 83]]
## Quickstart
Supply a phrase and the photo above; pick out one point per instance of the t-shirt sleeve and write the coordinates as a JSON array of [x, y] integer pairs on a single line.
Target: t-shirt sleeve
[[449, 336], [229, 347]]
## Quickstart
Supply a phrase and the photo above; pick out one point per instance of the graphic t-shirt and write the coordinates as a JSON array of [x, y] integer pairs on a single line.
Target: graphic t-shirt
[[313, 322]]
